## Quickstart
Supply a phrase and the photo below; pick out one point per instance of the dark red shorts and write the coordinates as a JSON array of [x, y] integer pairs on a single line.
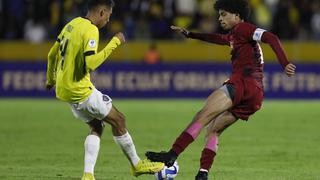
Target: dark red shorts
[[247, 97]]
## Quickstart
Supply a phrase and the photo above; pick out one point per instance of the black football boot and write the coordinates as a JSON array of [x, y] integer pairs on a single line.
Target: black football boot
[[202, 175], [168, 158]]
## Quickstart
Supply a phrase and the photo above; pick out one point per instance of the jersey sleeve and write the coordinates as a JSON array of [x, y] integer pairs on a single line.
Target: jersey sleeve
[[53, 60], [91, 41], [52, 64], [94, 59], [211, 38], [248, 32], [59, 38], [276, 46]]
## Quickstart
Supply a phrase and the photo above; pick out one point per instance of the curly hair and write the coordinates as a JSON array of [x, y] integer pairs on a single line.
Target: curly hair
[[240, 7]]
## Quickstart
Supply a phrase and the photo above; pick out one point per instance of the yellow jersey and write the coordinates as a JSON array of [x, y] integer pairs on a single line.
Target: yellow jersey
[[72, 58]]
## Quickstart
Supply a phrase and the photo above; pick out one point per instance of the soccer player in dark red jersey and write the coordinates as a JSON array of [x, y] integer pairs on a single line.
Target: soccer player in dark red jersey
[[240, 96]]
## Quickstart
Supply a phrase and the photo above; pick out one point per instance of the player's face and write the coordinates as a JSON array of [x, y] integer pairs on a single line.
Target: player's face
[[105, 14], [228, 20]]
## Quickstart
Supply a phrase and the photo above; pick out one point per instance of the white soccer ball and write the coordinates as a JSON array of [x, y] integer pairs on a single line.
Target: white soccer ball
[[168, 173]]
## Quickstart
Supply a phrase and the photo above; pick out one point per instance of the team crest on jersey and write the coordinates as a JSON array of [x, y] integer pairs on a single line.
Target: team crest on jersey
[[256, 35], [92, 43]]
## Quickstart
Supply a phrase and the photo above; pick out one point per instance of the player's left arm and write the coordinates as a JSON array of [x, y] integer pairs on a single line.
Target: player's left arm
[[93, 61], [93, 58], [274, 42], [51, 66], [251, 32]]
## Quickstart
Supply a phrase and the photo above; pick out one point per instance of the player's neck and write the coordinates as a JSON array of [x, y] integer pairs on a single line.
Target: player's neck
[[91, 18], [240, 21]]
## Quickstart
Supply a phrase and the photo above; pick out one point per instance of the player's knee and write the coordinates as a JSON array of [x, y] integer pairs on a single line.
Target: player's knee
[[206, 115], [97, 127], [119, 121], [212, 130], [122, 118], [217, 129], [118, 126]]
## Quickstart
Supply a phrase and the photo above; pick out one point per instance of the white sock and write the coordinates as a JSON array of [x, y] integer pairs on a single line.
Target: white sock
[[203, 170], [127, 146], [91, 150]]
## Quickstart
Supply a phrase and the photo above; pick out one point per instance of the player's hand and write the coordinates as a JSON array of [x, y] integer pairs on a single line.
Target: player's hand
[[49, 86], [180, 30], [121, 37], [290, 69]]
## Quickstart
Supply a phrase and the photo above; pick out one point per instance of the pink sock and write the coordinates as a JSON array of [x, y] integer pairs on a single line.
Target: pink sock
[[186, 138], [212, 143], [209, 152], [194, 130]]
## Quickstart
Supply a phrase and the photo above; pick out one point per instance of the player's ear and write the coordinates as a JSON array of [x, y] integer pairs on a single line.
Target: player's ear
[[101, 12]]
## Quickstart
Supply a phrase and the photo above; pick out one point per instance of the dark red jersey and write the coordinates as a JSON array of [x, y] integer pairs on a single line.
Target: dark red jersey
[[247, 56], [247, 64]]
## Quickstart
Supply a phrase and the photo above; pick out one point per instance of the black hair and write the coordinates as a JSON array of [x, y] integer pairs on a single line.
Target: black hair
[[94, 3], [240, 7]]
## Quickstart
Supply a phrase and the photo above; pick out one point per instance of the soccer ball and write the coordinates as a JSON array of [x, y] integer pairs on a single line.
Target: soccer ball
[[168, 173]]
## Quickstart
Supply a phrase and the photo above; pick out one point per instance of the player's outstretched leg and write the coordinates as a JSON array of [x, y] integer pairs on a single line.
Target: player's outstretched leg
[[181, 143], [216, 103], [122, 137]]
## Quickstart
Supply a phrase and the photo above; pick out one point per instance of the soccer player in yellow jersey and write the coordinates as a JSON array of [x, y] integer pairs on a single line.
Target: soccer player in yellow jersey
[[70, 61]]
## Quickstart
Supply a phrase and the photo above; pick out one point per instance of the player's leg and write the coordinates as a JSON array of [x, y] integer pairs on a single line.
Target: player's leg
[[214, 130], [92, 146], [120, 134], [91, 111], [122, 137], [92, 141], [96, 127], [218, 102]]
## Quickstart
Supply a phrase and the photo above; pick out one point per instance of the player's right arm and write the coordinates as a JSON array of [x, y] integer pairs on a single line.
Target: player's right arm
[[51, 66], [211, 38]]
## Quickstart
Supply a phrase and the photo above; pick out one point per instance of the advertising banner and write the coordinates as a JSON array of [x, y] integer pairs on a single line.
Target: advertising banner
[[181, 80]]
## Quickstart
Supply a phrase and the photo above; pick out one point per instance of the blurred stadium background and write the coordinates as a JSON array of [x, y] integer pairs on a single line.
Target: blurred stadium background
[[184, 68], [156, 64]]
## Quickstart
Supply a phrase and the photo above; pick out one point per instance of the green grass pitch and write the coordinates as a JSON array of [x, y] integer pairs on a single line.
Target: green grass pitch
[[40, 140]]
